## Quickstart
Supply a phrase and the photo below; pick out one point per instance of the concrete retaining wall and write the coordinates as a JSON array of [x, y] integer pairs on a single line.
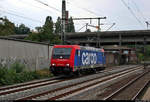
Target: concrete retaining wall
[[33, 55]]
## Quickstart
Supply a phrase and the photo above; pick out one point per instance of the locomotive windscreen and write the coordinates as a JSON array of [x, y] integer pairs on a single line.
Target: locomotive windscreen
[[61, 53]]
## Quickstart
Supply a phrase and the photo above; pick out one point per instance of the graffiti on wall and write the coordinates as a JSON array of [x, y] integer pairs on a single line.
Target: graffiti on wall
[[30, 64]]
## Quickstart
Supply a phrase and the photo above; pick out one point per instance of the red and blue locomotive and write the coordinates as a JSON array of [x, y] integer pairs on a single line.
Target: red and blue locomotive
[[67, 59]]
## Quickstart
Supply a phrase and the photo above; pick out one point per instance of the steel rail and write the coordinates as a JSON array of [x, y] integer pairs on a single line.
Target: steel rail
[[27, 83], [141, 90], [125, 86], [30, 87]]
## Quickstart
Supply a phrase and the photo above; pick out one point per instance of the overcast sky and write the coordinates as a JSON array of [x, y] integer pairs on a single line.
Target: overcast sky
[[127, 14]]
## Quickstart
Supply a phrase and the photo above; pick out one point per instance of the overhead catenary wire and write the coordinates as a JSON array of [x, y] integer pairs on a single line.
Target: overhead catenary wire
[[73, 17], [36, 6], [139, 10], [48, 5], [140, 13], [15, 16], [85, 9], [23, 17], [11, 10], [81, 28], [132, 13], [67, 2], [111, 26], [20, 16]]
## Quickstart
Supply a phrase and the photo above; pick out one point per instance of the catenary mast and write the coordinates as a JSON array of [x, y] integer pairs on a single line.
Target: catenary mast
[[63, 21]]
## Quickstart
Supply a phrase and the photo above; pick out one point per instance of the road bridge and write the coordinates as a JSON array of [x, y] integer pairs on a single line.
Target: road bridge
[[131, 37]]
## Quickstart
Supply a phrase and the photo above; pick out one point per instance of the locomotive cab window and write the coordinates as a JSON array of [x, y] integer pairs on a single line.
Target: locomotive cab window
[[61, 53]]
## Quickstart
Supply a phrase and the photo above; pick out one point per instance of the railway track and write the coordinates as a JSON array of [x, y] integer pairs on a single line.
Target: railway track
[[37, 81], [102, 80], [28, 83], [62, 92], [20, 91], [141, 92], [18, 87], [132, 90], [27, 86]]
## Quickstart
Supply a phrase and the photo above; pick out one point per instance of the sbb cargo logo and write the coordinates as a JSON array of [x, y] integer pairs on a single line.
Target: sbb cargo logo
[[89, 58]]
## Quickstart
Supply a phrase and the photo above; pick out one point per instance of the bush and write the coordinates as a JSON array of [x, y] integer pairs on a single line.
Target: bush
[[140, 56], [3, 71], [8, 76], [16, 74], [17, 67]]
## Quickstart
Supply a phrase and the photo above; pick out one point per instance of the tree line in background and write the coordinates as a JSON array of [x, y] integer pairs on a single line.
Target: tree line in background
[[9, 28], [46, 33]]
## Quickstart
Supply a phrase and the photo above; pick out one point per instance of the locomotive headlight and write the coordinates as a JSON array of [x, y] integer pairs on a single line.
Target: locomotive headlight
[[67, 65], [53, 64]]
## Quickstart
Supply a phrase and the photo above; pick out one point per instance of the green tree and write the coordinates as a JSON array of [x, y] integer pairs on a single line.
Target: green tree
[[6, 27], [22, 29], [56, 40], [58, 26], [48, 32], [34, 37], [70, 27], [39, 29], [140, 56], [45, 33], [48, 29]]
